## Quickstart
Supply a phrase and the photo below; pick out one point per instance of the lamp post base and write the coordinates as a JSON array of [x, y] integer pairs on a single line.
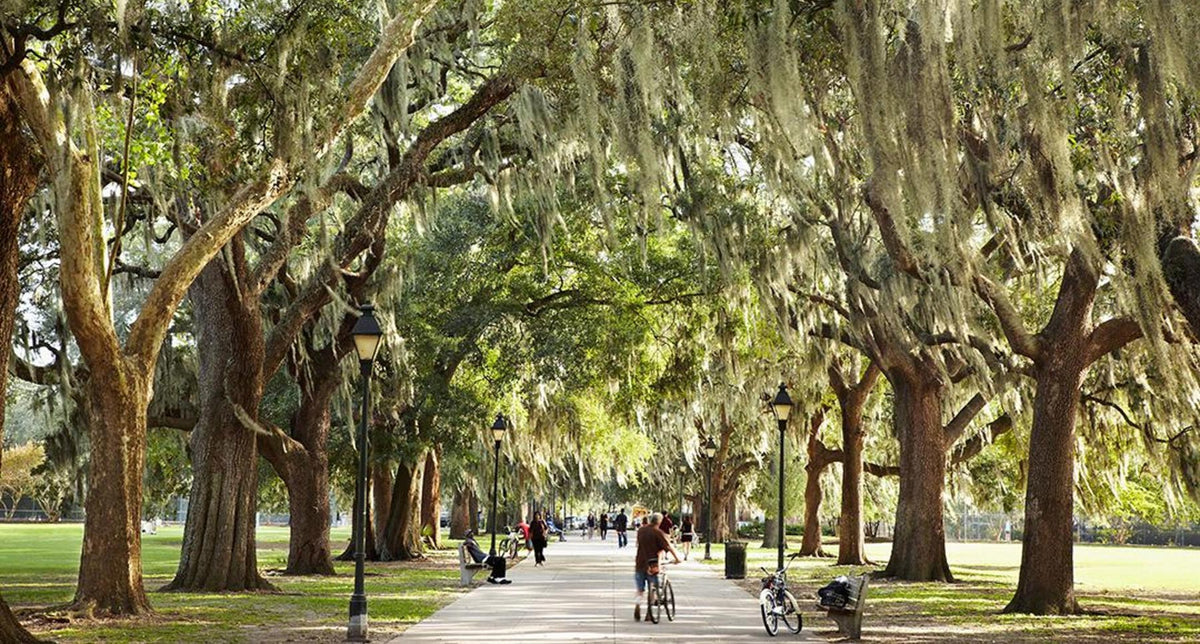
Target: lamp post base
[[357, 630], [707, 550]]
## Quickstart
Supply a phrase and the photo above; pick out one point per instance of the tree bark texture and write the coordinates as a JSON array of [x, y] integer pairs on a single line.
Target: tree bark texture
[[1046, 585], [110, 570], [460, 512], [771, 522], [431, 497], [401, 539], [380, 485], [218, 551], [919, 547], [819, 458], [303, 464], [771, 533], [473, 520], [18, 181], [383, 485], [851, 400]]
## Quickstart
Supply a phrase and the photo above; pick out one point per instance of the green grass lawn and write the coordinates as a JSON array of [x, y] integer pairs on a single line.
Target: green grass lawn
[[1129, 593], [39, 564]]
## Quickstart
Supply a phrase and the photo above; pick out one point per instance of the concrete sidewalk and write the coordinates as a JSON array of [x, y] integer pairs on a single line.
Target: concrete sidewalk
[[585, 593]]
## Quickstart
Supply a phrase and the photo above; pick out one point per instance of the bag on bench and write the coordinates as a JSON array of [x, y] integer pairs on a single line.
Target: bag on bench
[[499, 566]]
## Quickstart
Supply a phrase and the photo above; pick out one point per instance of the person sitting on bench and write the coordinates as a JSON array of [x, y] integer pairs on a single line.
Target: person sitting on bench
[[498, 564]]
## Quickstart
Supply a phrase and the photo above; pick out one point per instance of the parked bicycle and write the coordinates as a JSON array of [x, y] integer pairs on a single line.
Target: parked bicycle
[[777, 602], [660, 596], [510, 546]]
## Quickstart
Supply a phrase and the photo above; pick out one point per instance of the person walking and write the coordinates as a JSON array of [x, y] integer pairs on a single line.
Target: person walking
[[537, 532], [650, 542], [666, 524], [687, 532], [621, 524], [591, 525], [603, 526]]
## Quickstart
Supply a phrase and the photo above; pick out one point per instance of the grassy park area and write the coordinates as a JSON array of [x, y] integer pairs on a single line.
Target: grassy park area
[[1128, 593], [39, 563]]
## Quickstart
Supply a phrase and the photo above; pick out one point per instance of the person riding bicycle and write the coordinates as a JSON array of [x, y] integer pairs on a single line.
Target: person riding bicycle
[[650, 542]]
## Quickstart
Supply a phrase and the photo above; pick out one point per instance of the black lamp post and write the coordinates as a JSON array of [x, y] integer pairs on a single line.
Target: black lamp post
[[782, 407], [710, 451], [498, 428], [366, 343]]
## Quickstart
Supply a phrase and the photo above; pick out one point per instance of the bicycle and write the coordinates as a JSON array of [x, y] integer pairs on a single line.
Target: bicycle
[[660, 596], [777, 602], [511, 545]]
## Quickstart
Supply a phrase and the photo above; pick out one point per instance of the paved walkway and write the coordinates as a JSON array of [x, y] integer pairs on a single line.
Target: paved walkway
[[585, 593]]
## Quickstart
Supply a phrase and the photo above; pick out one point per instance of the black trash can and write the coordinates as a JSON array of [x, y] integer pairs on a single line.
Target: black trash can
[[735, 559]]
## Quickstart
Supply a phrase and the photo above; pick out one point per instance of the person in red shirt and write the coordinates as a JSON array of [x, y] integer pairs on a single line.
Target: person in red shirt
[[650, 542], [666, 524], [524, 528]]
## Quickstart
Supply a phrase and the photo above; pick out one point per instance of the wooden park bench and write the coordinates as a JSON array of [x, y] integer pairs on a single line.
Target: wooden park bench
[[849, 619], [467, 568]]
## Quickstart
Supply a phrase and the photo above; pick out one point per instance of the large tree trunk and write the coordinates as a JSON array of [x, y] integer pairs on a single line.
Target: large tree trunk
[[110, 570], [473, 520], [1047, 582], [308, 503], [401, 539], [380, 478], [819, 458], [303, 464], [460, 512], [383, 485], [919, 546], [18, 180], [810, 546], [770, 521], [431, 497], [218, 551], [771, 533], [851, 400], [720, 527], [851, 537], [850, 523]]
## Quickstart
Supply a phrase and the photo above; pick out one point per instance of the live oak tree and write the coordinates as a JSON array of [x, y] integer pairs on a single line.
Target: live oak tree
[[19, 167], [242, 353], [118, 392]]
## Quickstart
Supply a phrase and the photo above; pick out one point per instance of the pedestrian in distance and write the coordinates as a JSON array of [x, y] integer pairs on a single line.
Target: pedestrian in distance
[[666, 524], [621, 524], [537, 533], [591, 526], [650, 542], [687, 532], [603, 526]]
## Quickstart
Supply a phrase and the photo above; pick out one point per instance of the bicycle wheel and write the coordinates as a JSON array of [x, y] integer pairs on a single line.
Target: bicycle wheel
[[668, 599], [769, 613], [791, 613], [653, 606]]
